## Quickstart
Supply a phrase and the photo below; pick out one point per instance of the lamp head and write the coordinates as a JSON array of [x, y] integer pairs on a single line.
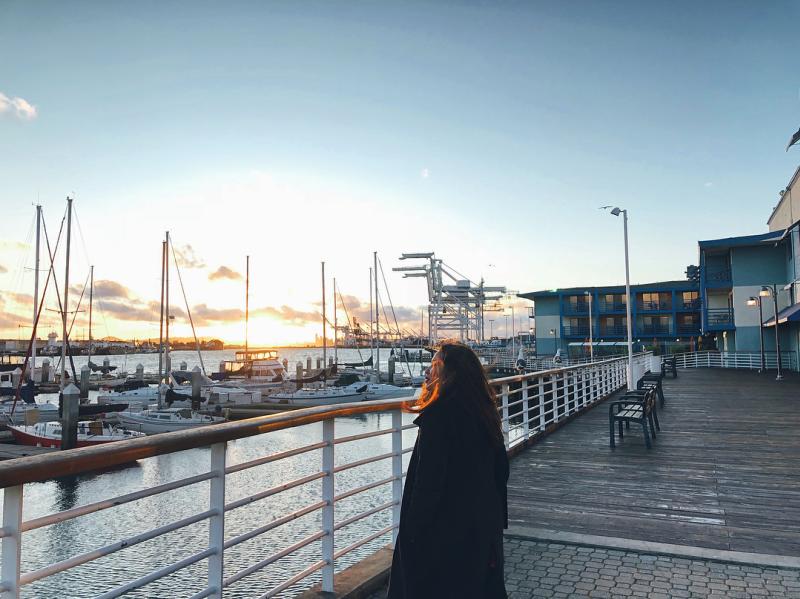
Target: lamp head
[[765, 291], [616, 211], [752, 301]]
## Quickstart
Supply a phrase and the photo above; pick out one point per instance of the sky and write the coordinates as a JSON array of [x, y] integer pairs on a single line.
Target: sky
[[302, 132]]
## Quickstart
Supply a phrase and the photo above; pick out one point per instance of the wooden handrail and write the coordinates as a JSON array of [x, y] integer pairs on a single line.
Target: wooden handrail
[[86, 459]]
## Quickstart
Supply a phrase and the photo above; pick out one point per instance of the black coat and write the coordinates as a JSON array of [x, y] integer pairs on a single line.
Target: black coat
[[450, 542]]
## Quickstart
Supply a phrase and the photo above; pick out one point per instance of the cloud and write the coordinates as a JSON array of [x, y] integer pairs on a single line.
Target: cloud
[[708, 184], [203, 315], [3, 269], [223, 272], [13, 245], [425, 173], [25, 299], [111, 290], [188, 258], [288, 315], [17, 107]]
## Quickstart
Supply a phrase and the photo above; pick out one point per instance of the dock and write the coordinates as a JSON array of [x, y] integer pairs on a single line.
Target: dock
[[10, 450]]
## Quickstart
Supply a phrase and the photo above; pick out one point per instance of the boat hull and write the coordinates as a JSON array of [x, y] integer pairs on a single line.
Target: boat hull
[[24, 438], [152, 427]]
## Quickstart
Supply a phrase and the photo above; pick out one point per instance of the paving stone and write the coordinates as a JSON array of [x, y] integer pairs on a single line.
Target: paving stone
[[563, 571]]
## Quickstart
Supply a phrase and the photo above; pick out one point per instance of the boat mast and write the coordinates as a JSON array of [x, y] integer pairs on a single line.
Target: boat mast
[[246, 305], [64, 309], [377, 318], [91, 295], [335, 327], [36, 289], [371, 333], [161, 321], [324, 327], [167, 368]]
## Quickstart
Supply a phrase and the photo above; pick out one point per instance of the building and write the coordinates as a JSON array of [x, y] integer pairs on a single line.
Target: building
[[735, 269], [663, 314]]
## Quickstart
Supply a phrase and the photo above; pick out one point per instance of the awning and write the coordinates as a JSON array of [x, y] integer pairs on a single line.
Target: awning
[[790, 314]]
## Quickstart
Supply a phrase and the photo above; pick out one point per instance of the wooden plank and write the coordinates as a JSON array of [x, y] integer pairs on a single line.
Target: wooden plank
[[722, 472]]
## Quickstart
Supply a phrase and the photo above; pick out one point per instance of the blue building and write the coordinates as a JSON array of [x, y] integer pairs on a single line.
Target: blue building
[[663, 314]]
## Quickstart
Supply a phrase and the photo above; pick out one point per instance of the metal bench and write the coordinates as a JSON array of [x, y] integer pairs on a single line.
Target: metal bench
[[637, 407], [652, 379], [669, 362]]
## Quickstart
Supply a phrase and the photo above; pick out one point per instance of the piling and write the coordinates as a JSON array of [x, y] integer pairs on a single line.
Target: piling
[[183, 366], [70, 399], [196, 376], [140, 372], [319, 363], [392, 362], [85, 371], [330, 362], [308, 363], [106, 364], [298, 370], [45, 378]]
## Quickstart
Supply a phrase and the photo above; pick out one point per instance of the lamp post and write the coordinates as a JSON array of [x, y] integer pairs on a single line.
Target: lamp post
[[591, 327], [616, 212], [766, 291], [753, 301]]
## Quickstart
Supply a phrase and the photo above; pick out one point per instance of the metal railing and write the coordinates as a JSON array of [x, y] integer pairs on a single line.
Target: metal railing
[[655, 306], [653, 329], [616, 306], [576, 308], [743, 360], [717, 275], [620, 330], [528, 404], [720, 317], [578, 330]]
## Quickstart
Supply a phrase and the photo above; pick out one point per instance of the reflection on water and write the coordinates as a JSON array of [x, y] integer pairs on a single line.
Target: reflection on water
[[88, 533]]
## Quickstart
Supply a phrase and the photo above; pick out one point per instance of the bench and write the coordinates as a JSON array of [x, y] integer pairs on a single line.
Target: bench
[[638, 407], [652, 379], [669, 362]]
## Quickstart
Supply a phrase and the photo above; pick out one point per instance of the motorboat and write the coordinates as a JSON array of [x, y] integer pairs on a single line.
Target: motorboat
[[381, 390], [153, 421], [254, 369], [91, 432], [28, 412], [143, 396], [321, 396]]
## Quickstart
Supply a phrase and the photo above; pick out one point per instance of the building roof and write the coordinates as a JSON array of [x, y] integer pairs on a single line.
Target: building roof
[[785, 196], [683, 284], [743, 241]]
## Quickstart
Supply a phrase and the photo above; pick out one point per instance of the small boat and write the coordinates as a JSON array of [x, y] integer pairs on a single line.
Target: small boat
[[23, 412], [381, 390], [166, 420], [90, 432], [323, 396], [143, 396]]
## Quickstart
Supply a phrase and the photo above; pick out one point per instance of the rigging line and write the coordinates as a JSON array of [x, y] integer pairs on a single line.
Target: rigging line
[[347, 315], [80, 234], [61, 307], [78, 307], [186, 301], [19, 271], [50, 273], [391, 305]]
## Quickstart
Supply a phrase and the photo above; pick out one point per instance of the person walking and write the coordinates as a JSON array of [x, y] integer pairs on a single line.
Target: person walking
[[454, 510]]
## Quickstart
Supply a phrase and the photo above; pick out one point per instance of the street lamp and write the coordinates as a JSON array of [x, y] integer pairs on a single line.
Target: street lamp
[[591, 327], [766, 291], [756, 301], [616, 212]]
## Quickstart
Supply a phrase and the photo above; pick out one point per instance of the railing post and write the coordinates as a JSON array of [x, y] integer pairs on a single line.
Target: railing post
[[328, 510], [525, 415], [504, 396], [216, 524], [541, 404], [397, 470], [12, 542]]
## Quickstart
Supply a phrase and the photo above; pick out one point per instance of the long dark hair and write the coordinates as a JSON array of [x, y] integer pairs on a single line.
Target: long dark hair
[[463, 383]]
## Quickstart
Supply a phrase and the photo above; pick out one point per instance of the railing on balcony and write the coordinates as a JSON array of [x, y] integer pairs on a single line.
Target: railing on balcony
[[717, 276], [719, 318], [653, 329], [528, 405], [576, 308], [619, 330], [659, 306], [738, 360], [611, 306], [688, 305], [686, 328], [581, 330]]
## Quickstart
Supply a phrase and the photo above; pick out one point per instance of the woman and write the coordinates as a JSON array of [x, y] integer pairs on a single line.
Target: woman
[[450, 542]]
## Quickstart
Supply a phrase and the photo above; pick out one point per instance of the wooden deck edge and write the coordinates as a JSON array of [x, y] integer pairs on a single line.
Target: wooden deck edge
[[681, 551], [359, 580]]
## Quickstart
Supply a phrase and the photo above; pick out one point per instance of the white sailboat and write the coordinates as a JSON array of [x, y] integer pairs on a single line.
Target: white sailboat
[[165, 420]]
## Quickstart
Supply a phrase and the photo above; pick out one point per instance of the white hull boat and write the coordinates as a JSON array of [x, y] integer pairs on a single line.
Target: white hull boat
[[168, 420], [324, 396], [48, 434]]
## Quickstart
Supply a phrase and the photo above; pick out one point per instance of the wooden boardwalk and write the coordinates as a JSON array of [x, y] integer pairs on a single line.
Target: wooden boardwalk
[[724, 472]]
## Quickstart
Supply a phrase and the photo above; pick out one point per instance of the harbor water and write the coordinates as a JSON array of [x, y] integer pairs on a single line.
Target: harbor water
[[62, 541]]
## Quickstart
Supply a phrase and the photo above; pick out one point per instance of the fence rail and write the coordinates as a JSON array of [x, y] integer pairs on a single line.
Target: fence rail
[[528, 403], [741, 360]]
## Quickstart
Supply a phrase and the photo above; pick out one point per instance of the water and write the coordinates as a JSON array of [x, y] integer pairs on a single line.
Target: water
[[54, 543]]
